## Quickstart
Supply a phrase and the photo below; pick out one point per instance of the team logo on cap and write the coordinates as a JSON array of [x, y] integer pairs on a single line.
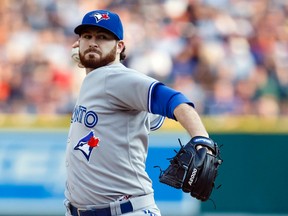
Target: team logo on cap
[[87, 143], [98, 17]]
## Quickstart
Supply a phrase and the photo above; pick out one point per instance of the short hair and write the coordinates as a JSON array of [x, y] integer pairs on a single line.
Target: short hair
[[123, 54]]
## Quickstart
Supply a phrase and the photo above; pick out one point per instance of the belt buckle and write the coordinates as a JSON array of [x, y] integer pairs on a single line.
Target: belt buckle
[[79, 211]]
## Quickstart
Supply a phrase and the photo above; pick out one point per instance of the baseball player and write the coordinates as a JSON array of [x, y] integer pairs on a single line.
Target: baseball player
[[116, 109]]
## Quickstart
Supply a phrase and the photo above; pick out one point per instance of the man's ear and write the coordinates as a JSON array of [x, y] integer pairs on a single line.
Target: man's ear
[[120, 46]]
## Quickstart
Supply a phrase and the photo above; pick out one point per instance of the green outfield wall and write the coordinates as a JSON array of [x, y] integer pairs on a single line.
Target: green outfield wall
[[254, 174]]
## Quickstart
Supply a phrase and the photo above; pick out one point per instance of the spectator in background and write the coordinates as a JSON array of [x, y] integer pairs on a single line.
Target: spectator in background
[[241, 45]]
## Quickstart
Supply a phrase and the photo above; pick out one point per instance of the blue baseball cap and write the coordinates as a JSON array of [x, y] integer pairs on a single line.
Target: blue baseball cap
[[104, 19]]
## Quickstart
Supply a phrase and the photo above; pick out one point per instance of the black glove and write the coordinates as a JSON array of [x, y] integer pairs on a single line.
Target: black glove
[[192, 170]]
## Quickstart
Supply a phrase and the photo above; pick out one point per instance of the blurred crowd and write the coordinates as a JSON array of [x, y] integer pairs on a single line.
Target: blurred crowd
[[230, 57]]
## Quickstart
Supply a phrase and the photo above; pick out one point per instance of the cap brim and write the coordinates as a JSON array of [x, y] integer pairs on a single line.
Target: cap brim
[[78, 30]]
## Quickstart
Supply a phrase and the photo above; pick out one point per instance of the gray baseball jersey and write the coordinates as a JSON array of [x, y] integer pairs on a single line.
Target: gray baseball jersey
[[108, 137]]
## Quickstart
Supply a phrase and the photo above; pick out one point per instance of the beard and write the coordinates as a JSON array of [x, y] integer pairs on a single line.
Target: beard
[[92, 62]]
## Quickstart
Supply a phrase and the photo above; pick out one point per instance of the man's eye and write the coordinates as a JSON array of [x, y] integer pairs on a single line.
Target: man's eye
[[101, 37], [87, 36]]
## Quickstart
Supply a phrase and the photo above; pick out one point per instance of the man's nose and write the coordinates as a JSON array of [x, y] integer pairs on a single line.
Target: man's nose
[[93, 43]]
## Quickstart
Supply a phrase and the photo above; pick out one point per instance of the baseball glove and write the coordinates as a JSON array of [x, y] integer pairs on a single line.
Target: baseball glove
[[193, 169]]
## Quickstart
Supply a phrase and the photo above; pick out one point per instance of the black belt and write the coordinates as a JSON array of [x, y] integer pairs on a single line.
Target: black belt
[[125, 208]]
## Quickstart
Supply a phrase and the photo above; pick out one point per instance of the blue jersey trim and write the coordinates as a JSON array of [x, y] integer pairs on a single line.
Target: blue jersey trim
[[150, 95], [164, 100], [159, 124]]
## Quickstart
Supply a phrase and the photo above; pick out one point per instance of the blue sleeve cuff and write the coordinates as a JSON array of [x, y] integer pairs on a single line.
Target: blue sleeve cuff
[[164, 100]]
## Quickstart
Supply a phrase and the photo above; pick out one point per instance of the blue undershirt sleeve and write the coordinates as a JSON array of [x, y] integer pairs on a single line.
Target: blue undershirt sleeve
[[164, 100]]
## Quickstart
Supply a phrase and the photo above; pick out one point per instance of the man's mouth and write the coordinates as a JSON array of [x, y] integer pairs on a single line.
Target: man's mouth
[[92, 51]]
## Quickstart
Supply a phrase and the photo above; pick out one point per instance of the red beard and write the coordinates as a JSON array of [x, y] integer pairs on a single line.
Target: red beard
[[96, 63]]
